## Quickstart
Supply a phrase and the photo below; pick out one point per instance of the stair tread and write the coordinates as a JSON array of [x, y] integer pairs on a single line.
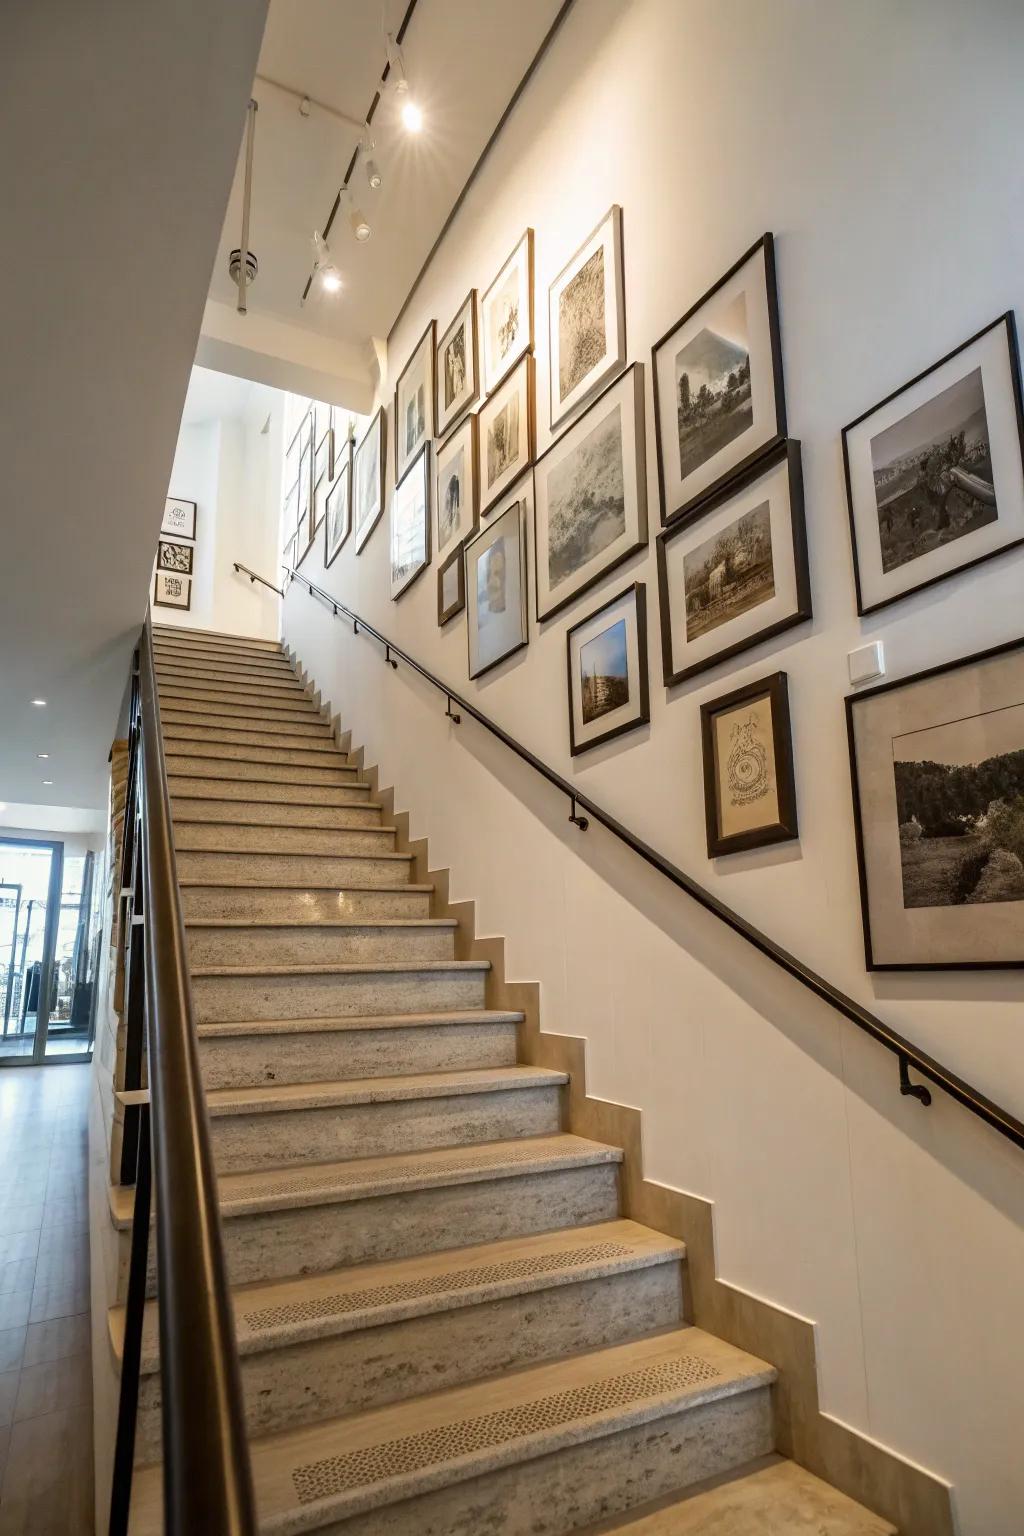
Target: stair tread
[[358, 1021], [278, 1097], [356, 968], [287, 826], [192, 632], [179, 731], [322, 922], [290, 853], [190, 882]]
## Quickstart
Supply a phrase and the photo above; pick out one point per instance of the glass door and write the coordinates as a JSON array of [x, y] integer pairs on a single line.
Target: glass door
[[47, 953]]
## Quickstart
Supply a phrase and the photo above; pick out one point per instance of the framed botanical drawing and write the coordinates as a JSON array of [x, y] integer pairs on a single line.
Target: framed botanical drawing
[[587, 319], [496, 589], [458, 487], [606, 654], [172, 591], [414, 402], [506, 434], [749, 786], [451, 586], [506, 314], [338, 519], [179, 518], [368, 479], [934, 475], [937, 762], [590, 489], [173, 556], [719, 400], [410, 524], [457, 368], [735, 573]]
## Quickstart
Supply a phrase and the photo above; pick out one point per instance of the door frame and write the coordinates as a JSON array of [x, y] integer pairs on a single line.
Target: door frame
[[39, 1057]]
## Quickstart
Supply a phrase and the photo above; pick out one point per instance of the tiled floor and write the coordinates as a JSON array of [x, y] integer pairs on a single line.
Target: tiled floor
[[45, 1366]]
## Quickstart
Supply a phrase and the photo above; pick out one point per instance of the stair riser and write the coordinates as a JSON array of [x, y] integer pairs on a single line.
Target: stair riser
[[267, 813], [251, 793], [204, 765], [272, 903], [251, 736], [318, 946], [330, 1376], [229, 998], [231, 752], [193, 836], [281, 706], [251, 1061], [291, 869], [243, 727]]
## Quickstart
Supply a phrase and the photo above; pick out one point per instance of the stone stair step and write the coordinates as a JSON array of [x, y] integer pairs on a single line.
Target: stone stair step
[[268, 796], [298, 702], [337, 869], [190, 721], [300, 941], [193, 636], [269, 903], [186, 656], [208, 765], [200, 711], [313, 991], [263, 813], [265, 837], [313, 755], [299, 739], [200, 674]]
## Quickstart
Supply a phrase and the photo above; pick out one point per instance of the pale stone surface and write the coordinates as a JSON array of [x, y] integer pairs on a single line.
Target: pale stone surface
[[270, 796], [189, 722], [305, 995], [233, 838], [206, 765], [230, 752], [283, 903], [363, 813], [252, 701], [229, 734], [299, 943], [294, 868]]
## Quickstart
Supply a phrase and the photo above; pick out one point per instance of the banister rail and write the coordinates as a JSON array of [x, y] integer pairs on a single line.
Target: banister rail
[[207, 1479], [583, 810]]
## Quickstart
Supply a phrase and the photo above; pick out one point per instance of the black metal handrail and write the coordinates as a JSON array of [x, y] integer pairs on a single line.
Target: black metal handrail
[[207, 1479], [582, 810]]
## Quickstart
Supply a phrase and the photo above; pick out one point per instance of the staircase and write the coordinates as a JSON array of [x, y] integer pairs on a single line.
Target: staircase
[[446, 1326]]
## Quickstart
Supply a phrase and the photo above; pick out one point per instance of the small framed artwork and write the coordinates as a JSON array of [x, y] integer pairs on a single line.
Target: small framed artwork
[[458, 486], [496, 589], [410, 524], [506, 434], [591, 496], [451, 587], [288, 555], [338, 515], [719, 400], [179, 518], [323, 458], [935, 473], [937, 763], [414, 402], [304, 539], [290, 511], [368, 479], [305, 482], [506, 314], [321, 422], [458, 366], [172, 556], [736, 572], [749, 787], [607, 667], [587, 319], [320, 490], [172, 591]]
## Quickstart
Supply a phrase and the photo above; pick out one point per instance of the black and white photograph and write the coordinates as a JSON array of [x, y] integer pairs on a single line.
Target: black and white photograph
[[451, 586], [338, 515], [174, 556], [410, 524], [506, 426], [368, 479], [320, 489], [172, 591], [414, 402], [323, 459], [587, 319], [457, 488], [735, 573], [934, 473], [938, 780], [496, 588], [506, 314], [458, 366], [749, 783], [304, 537], [591, 495], [719, 400], [179, 519], [606, 657]]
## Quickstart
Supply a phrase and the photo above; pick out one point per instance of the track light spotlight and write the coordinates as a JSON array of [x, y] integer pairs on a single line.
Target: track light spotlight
[[412, 117], [360, 225], [410, 113], [323, 266], [373, 175]]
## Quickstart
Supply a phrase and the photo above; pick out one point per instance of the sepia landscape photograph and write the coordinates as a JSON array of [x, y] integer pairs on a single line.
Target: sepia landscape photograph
[[503, 318], [729, 573], [503, 445], [582, 337], [604, 673], [586, 500], [713, 398], [455, 367]]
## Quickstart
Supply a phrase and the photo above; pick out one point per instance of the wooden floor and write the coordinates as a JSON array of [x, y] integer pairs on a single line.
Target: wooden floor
[[45, 1366]]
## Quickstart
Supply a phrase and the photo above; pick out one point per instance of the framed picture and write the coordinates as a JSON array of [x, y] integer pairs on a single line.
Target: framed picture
[[591, 495], [496, 589], [172, 556], [305, 483], [323, 458], [934, 476], [179, 518], [587, 319], [749, 788], [414, 402], [735, 573], [451, 587], [506, 434], [320, 490], [606, 654], [368, 479], [719, 400], [172, 591], [321, 422], [290, 512], [458, 486], [410, 524], [937, 762], [458, 366], [506, 314], [288, 554], [338, 519]]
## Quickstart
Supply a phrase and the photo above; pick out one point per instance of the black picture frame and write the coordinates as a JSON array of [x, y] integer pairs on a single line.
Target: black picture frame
[[774, 688], [420, 469], [515, 505], [344, 469], [615, 355], [487, 501], [428, 339], [378, 425], [447, 424], [489, 384], [445, 614], [168, 543], [161, 603], [638, 591], [178, 533]]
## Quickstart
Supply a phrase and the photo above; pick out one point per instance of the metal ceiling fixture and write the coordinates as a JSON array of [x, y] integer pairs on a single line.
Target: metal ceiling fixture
[[242, 263]]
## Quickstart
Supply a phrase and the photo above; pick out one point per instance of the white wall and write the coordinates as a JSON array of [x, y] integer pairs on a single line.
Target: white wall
[[880, 143]]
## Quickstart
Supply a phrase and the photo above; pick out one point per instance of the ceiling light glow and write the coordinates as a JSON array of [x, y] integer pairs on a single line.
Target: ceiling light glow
[[42, 756], [412, 117], [39, 703], [48, 783]]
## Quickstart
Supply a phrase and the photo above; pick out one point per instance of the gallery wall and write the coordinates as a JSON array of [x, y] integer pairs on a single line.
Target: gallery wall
[[879, 144]]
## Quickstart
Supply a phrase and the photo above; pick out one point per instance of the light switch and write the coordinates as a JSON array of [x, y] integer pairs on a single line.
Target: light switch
[[867, 662]]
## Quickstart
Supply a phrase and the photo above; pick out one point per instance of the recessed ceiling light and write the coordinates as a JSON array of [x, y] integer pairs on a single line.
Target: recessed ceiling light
[[42, 756], [48, 781], [39, 703]]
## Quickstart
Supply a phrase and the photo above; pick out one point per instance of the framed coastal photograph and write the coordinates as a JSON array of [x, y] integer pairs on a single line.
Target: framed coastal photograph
[[506, 314], [606, 657], [410, 524], [172, 591], [414, 402], [506, 422], [338, 519], [451, 586], [587, 319], [590, 489], [937, 762], [749, 786], [719, 400], [735, 573], [457, 490], [368, 479], [179, 519], [457, 368], [173, 556], [934, 477], [496, 589]]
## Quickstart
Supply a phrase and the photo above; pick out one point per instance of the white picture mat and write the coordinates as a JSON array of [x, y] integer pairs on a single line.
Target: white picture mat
[[418, 370], [450, 584], [447, 414], [734, 820], [179, 518], [161, 594], [495, 366], [367, 477], [410, 524], [461, 439], [340, 498], [609, 235], [623, 609], [512, 632], [518, 383]]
